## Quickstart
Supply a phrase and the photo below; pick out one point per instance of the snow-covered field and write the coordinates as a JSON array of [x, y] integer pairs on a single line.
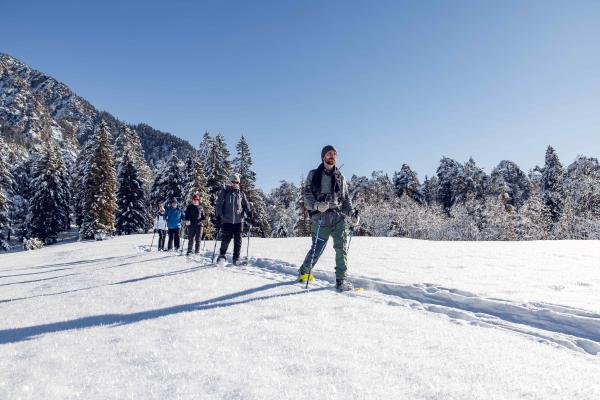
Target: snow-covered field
[[438, 320]]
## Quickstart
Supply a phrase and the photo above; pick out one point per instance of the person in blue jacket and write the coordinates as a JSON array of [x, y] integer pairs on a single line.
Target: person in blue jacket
[[174, 215]]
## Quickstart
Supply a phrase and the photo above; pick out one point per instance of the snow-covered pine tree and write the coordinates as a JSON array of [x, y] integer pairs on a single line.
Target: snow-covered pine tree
[[302, 227], [473, 181], [173, 181], [551, 184], [534, 218], [508, 178], [100, 188], [448, 174], [132, 212], [187, 173], [581, 214], [582, 186], [78, 180], [49, 205], [6, 182], [218, 167], [157, 192], [204, 148], [196, 184], [22, 193], [430, 190], [128, 140], [282, 210], [406, 183], [242, 164]]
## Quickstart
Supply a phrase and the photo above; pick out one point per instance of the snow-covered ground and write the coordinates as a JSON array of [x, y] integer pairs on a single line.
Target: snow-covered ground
[[438, 320]]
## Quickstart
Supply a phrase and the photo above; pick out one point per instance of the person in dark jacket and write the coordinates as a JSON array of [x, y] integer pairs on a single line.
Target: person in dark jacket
[[194, 215], [231, 208], [174, 215], [327, 199]]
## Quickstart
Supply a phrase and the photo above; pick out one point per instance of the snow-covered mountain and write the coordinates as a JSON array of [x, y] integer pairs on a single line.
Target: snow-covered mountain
[[437, 320], [35, 107]]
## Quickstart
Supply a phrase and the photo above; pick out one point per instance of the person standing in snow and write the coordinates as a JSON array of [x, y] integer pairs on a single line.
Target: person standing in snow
[[194, 215], [160, 226], [174, 215], [327, 200], [230, 208]]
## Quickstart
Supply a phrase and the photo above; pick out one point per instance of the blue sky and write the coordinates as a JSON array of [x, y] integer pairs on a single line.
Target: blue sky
[[386, 82]]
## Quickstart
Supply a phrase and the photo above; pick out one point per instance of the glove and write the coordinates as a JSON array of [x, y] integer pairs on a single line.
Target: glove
[[249, 215], [322, 206], [156, 230]]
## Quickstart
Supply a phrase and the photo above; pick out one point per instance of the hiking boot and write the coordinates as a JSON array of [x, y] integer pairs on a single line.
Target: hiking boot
[[343, 285]]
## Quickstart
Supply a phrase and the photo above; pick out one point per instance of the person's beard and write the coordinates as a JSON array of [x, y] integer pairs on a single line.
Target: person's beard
[[329, 163]]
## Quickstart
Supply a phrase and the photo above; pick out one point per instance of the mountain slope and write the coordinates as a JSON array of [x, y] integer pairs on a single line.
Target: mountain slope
[[35, 107]]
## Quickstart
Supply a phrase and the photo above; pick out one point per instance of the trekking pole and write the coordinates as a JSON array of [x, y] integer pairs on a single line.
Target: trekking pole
[[183, 230], [352, 227], [215, 249], [248, 245], [200, 237], [312, 257], [151, 243]]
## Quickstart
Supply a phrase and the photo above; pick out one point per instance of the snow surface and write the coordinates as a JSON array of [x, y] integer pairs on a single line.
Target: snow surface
[[438, 320]]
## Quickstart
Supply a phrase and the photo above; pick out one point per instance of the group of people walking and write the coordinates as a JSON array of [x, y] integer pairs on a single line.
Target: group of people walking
[[326, 198], [232, 210]]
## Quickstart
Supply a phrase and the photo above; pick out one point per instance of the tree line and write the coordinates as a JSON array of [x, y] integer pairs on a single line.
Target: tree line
[[108, 188]]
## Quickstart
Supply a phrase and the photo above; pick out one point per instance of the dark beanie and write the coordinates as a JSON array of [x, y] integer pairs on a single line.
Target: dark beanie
[[326, 149]]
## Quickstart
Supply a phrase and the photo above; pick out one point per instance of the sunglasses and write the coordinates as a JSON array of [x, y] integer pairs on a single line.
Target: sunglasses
[[235, 182]]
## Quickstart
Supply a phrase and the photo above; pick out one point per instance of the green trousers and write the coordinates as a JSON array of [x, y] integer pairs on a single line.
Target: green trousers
[[340, 239]]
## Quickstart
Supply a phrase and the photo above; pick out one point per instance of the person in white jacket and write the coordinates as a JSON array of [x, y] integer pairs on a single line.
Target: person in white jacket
[[160, 227]]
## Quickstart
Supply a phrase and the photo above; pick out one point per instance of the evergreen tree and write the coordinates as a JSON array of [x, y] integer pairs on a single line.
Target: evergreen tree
[[132, 214], [282, 210], [6, 182], [196, 184], [551, 184], [302, 227], [406, 183], [78, 180], [218, 167], [472, 181], [49, 206], [187, 173], [169, 182], [174, 179], [22, 193], [448, 174], [242, 164], [99, 203], [128, 140], [508, 178], [430, 190], [158, 190], [204, 148]]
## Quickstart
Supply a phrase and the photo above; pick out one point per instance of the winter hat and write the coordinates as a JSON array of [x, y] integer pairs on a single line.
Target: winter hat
[[195, 197], [234, 177], [326, 149]]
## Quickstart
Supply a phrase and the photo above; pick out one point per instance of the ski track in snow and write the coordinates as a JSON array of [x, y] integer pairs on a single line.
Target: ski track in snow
[[572, 328]]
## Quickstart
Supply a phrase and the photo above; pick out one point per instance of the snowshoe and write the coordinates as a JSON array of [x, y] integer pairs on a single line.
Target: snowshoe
[[221, 261], [305, 277], [343, 285]]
